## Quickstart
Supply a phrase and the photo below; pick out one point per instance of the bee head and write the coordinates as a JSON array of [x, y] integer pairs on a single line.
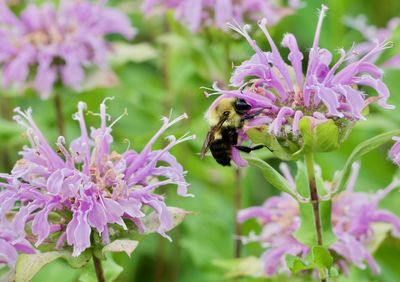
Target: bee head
[[241, 106], [225, 109]]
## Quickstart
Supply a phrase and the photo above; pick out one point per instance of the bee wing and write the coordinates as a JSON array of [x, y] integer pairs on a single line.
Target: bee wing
[[207, 142], [211, 136]]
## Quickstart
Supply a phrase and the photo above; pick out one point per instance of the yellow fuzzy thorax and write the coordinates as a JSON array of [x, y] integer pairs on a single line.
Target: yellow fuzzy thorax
[[225, 105]]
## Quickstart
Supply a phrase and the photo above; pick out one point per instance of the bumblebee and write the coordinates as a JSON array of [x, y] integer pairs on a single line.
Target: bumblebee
[[225, 119]]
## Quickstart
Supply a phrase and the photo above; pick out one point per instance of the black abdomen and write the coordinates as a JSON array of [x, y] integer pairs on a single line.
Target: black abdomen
[[221, 149]]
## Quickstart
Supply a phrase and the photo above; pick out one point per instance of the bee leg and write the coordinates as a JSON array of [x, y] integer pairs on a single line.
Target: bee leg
[[249, 149], [252, 115]]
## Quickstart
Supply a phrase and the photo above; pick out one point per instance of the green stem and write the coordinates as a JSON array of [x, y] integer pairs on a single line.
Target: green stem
[[59, 114], [309, 159], [99, 269], [159, 267]]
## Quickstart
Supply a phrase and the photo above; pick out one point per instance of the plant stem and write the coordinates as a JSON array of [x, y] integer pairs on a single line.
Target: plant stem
[[309, 159], [59, 114], [238, 200], [99, 269], [159, 267], [314, 197]]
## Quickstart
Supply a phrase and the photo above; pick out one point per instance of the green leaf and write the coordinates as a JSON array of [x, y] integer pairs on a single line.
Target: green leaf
[[380, 231], [320, 185], [297, 264], [326, 219], [271, 175], [321, 257], [243, 267], [362, 149], [98, 252], [318, 136], [77, 262], [127, 246], [306, 233], [302, 180], [333, 272], [28, 265], [152, 222], [282, 149]]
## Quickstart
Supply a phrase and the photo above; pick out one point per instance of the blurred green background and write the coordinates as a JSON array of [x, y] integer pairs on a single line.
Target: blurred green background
[[164, 68]]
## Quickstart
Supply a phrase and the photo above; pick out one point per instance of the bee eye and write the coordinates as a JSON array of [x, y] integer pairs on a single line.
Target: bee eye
[[226, 113]]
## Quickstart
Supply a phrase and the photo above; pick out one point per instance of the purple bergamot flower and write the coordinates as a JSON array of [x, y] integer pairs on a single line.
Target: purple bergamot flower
[[45, 45], [66, 195], [372, 35], [201, 13], [282, 95], [354, 215]]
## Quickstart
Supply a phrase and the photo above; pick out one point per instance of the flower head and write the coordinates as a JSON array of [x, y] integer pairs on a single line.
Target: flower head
[[354, 215], [90, 188], [199, 13], [53, 45], [283, 95]]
